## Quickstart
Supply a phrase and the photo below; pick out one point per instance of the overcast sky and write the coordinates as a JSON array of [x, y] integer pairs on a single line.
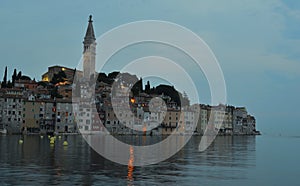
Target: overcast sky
[[257, 44]]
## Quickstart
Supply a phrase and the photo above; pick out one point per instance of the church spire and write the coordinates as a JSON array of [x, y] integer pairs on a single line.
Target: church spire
[[90, 35], [89, 51]]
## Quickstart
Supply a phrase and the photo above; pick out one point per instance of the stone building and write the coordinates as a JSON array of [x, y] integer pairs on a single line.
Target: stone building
[[203, 119], [239, 119], [216, 116], [11, 109], [65, 117], [171, 121], [47, 77], [26, 84], [88, 120], [48, 113], [32, 115]]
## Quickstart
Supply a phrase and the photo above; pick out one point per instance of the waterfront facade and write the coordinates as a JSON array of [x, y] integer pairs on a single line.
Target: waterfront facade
[[11, 108], [65, 117], [61, 104], [32, 115]]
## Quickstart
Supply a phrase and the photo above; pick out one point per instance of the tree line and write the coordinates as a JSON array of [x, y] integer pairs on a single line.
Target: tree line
[[7, 83]]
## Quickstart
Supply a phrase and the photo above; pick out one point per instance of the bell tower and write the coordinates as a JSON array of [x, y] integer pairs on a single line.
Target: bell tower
[[89, 51]]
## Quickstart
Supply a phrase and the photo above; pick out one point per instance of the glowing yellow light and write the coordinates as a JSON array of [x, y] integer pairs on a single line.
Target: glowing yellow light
[[63, 69], [132, 100], [61, 83], [45, 79]]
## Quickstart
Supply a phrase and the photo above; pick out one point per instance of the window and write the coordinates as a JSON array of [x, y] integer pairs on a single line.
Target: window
[[88, 121]]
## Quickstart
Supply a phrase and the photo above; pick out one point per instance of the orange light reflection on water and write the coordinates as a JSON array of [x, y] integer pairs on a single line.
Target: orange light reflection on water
[[130, 166]]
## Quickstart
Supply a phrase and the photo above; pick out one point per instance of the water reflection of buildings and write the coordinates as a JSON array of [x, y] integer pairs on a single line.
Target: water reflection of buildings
[[228, 158]]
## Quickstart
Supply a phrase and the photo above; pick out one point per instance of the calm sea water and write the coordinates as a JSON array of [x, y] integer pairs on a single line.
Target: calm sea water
[[247, 160]]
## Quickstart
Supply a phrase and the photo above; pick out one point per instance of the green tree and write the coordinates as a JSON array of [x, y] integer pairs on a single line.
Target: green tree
[[54, 93], [4, 82], [185, 99], [113, 75], [147, 87], [19, 75], [14, 77], [25, 78], [9, 84], [137, 87], [59, 77]]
